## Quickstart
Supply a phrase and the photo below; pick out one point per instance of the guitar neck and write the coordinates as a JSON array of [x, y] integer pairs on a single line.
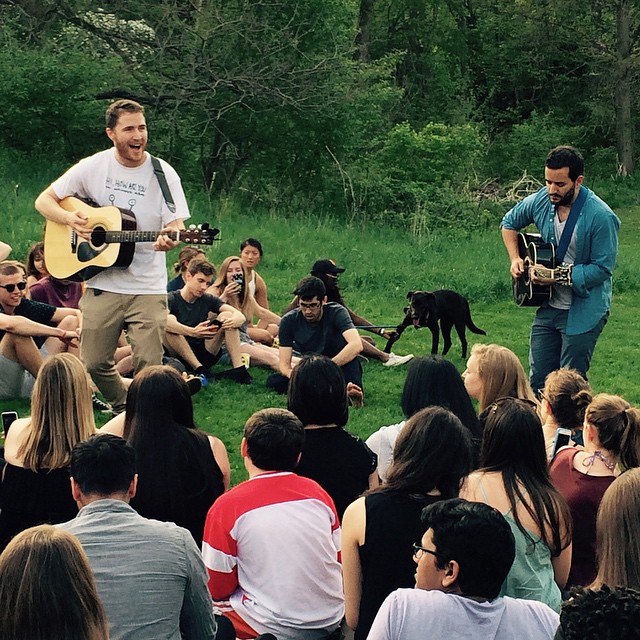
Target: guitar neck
[[138, 236]]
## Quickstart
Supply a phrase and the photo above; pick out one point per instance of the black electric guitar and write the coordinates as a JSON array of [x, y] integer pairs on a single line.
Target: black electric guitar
[[113, 237], [533, 250]]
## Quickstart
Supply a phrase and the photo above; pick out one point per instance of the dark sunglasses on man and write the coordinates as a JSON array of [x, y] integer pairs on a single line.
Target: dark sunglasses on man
[[12, 287]]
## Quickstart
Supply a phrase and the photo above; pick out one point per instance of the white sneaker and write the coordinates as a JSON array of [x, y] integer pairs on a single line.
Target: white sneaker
[[395, 360]]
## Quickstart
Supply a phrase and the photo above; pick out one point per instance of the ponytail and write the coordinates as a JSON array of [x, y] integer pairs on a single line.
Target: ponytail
[[630, 443], [618, 426]]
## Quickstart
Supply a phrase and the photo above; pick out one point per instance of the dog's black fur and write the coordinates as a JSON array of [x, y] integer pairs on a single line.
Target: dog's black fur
[[427, 308]]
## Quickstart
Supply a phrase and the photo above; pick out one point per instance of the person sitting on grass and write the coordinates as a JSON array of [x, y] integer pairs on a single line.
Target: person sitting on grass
[[563, 403], [272, 544], [37, 449], [431, 381], [186, 255], [250, 255], [327, 271], [341, 463], [462, 560], [47, 589], [231, 286], [182, 470], [192, 336], [318, 326]]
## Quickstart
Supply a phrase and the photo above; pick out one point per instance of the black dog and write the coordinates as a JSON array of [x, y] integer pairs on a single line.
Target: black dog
[[426, 308]]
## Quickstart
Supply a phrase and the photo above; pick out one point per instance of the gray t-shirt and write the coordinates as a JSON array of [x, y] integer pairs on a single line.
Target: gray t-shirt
[[323, 337], [416, 614]]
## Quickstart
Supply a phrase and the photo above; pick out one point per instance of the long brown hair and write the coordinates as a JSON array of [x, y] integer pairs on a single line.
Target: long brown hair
[[568, 395], [513, 445], [617, 528], [47, 589], [61, 414]]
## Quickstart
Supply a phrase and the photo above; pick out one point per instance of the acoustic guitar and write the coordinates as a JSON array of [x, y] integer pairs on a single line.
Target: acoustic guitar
[[533, 250], [114, 233]]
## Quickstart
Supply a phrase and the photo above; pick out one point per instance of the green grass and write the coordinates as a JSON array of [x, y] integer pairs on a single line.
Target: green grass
[[382, 265]]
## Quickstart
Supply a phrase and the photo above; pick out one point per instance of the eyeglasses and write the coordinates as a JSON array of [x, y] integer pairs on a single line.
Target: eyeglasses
[[418, 551], [310, 305], [12, 287]]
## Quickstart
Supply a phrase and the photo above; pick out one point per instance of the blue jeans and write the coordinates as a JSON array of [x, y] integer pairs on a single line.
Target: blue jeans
[[551, 348]]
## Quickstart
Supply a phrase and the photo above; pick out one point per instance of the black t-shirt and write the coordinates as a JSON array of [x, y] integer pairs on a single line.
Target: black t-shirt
[[192, 314], [40, 312], [339, 462]]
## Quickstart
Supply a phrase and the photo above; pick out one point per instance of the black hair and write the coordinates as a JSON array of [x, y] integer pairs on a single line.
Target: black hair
[[513, 445], [603, 614], [478, 538], [103, 465], [318, 392], [159, 425], [434, 380], [274, 439], [251, 242], [433, 451], [310, 287], [566, 156]]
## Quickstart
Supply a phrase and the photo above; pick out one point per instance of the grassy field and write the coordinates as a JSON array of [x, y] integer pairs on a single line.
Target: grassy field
[[382, 264]]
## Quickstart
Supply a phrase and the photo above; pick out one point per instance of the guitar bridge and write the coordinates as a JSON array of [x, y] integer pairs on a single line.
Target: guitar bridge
[[74, 242]]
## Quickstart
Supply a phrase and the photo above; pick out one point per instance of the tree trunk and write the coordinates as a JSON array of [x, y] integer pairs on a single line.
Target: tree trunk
[[363, 37], [624, 123]]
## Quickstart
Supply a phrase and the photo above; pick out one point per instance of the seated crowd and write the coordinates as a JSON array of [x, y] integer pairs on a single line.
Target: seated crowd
[[446, 524]]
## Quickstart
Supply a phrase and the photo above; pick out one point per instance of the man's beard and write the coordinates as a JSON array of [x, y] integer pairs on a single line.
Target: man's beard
[[566, 199]]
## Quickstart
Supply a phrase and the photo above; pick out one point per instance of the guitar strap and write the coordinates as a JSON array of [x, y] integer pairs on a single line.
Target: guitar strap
[[567, 232], [164, 187]]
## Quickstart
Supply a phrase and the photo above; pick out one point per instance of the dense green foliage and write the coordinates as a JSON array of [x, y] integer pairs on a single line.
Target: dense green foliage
[[419, 112]]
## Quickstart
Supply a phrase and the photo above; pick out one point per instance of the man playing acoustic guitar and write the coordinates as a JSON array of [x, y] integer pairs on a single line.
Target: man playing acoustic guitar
[[584, 231], [133, 297]]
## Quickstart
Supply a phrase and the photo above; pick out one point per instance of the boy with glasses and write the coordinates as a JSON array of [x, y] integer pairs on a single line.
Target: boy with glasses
[[462, 560], [320, 327]]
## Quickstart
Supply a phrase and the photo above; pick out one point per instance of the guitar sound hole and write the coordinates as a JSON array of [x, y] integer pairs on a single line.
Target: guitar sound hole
[[98, 237]]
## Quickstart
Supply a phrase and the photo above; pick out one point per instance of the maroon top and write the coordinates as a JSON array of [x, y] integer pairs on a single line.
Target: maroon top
[[583, 493], [57, 292]]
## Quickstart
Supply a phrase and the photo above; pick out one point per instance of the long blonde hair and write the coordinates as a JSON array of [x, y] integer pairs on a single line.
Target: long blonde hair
[[245, 299], [47, 589], [61, 414], [617, 529], [502, 374]]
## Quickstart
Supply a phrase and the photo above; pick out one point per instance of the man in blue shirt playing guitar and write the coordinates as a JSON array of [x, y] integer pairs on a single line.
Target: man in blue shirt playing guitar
[[580, 233]]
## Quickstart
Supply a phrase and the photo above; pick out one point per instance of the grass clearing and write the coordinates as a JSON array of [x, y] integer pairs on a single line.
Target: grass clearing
[[382, 263]]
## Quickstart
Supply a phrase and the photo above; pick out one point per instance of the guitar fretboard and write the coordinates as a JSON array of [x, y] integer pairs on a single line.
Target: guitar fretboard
[[137, 236]]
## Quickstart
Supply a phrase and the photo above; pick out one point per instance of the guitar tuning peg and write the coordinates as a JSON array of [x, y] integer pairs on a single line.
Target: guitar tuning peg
[[204, 226], [192, 227]]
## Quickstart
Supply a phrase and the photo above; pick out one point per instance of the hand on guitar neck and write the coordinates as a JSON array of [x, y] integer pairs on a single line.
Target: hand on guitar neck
[[164, 241]]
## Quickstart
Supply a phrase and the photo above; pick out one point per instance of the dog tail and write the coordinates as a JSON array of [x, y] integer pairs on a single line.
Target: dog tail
[[472, 327]]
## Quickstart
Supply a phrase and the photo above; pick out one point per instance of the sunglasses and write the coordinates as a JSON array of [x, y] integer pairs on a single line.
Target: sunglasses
[[12, 287]]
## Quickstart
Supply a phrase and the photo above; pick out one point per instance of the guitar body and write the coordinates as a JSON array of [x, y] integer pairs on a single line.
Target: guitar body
[[112, 244], [533, 250], [70, 257]]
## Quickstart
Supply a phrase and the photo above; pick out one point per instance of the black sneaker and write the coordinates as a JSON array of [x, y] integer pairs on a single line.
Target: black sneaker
[[239, 375], [100, 405], [194, 383]]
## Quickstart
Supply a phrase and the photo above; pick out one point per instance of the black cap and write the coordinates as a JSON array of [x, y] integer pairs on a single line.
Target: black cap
[[322, 267]]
